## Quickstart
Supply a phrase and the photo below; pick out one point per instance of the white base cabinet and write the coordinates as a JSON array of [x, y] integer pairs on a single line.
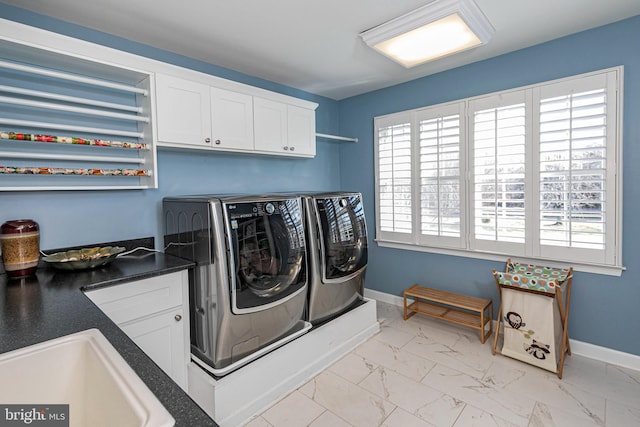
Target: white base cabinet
[[154, 314]]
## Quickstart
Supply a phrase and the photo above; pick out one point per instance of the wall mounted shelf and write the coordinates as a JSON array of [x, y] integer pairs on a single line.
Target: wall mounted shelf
[[71, 123]]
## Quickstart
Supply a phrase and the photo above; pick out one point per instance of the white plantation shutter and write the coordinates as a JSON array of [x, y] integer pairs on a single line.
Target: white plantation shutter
[[499, 172], [440, 162], [573, 170], [394, 179], [533, 172], [577, 194]]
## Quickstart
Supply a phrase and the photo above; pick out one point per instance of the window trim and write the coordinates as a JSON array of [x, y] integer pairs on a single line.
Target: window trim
[[415, 243]]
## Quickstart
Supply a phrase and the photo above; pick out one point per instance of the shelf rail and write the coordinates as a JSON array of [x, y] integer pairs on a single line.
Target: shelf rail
[[73, 77], [72, 109], [336, 137], [72, 128], [78, 158], [71, 99]]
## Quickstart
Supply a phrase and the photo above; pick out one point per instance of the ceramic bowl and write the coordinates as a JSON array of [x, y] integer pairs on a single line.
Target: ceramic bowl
[[85, 258]]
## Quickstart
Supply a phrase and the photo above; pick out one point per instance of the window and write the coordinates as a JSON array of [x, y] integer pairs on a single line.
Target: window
[[530, 173]]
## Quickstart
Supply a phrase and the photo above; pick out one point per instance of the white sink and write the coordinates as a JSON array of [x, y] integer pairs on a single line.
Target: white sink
[[86, 372]]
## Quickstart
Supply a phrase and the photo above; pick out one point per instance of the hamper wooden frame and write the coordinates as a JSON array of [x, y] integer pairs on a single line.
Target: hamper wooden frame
[[557, 295]]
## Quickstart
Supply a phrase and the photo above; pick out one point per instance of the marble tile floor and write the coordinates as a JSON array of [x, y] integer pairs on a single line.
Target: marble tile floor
[[425, 372]]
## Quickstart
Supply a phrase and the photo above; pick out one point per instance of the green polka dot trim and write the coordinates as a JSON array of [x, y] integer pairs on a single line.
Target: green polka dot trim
[[533, 277]]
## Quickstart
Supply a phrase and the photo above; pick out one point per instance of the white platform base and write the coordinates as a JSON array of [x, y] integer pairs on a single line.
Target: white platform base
[[253, 356], [235, 398]]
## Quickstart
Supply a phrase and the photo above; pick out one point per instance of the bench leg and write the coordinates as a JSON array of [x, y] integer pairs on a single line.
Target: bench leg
[[406, 316], [482, 324], [490, 314]]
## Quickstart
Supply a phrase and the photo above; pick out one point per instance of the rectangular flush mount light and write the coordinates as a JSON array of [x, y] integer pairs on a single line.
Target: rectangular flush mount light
[[437, 29]]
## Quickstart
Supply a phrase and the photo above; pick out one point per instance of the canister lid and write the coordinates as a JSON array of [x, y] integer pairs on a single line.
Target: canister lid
[[18, 226]]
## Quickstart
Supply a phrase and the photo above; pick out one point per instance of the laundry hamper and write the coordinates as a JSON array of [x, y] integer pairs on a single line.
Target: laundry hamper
[[534, 307]]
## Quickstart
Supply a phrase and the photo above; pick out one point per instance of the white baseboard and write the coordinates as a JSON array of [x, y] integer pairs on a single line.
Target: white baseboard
[[384, 297], [580, 348], [604, 354]]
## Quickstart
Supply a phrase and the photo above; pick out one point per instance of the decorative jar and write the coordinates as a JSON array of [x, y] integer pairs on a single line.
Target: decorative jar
[[20, 240]]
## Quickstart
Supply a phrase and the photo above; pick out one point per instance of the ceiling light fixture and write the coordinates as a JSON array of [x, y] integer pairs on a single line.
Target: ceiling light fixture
[[438, 29]]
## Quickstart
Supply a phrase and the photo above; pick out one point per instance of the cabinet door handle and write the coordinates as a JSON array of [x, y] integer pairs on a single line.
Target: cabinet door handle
[[207, 140], [292, 148], [285, 148], [178, 317], [218, 142]]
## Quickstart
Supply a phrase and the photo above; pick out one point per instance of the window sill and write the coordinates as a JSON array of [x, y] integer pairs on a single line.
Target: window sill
[[608, 270]]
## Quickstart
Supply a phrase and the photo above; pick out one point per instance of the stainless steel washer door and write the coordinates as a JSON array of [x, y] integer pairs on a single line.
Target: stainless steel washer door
[[267, 253], [343, 235]]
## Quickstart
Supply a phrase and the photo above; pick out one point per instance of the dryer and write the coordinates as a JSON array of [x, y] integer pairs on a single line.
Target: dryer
[[337, 242], [248, 288]]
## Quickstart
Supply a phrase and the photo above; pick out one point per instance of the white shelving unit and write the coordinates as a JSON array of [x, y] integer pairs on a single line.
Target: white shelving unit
[[69, 123], [58, 88]]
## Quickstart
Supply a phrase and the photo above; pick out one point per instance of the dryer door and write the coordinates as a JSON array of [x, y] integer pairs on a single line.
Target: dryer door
[[268, 255], [343, 239]]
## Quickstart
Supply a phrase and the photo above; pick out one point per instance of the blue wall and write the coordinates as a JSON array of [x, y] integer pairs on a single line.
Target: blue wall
[[69, 218], [603, 308]]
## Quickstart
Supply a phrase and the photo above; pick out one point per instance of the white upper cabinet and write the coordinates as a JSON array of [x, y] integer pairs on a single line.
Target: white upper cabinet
[[191, 114], [231, 119], [301, 130], [284, 129], [183, 112]]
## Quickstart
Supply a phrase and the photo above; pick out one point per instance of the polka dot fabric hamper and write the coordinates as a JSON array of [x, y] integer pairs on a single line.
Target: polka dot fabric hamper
[[534, 310]]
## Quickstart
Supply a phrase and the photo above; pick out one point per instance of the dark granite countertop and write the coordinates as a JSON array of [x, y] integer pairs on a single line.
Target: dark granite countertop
[[52, 304]]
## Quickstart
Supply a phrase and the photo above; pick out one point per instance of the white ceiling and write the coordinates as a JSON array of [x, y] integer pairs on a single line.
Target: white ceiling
[[314, 45]]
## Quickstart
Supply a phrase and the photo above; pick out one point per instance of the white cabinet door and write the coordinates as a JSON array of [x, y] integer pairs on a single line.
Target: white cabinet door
[[301, 130], [183, 112], [162, 338], [270, 126], [231, 120]]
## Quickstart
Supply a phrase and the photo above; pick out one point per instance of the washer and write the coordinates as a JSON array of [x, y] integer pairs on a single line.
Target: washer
[[337, 243], [248, 288]]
